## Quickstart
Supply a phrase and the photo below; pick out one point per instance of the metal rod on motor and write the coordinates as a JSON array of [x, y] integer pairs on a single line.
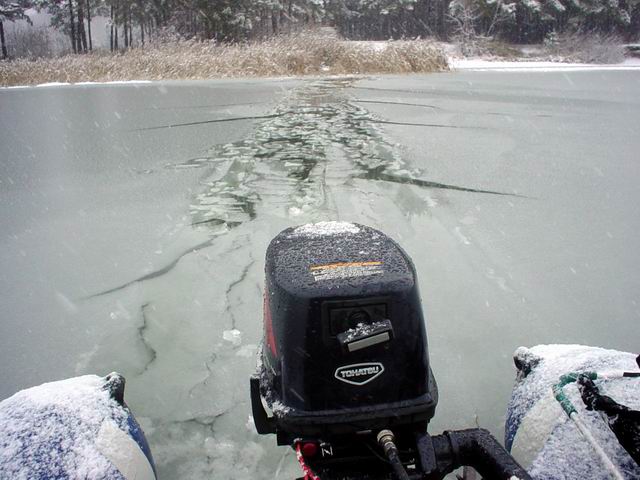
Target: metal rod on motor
[[386, 440]]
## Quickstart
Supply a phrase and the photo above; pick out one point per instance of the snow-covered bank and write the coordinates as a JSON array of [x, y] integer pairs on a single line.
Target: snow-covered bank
[[479, 64], [67, 84]]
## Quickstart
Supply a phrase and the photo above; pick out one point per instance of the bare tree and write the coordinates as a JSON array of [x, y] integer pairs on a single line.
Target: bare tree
[[89, 24], [464, 16], [3, 41]]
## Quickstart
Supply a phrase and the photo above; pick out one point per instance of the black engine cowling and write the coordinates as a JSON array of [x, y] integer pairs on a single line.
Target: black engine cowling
[[345, 347]]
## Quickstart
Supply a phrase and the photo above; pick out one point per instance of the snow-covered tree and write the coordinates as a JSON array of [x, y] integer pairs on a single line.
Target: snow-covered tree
[[11, 11], [132, 22], [73, 17], [536, 18]]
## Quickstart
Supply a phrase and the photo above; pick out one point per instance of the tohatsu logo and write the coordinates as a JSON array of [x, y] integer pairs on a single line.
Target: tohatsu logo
[[359, 373]]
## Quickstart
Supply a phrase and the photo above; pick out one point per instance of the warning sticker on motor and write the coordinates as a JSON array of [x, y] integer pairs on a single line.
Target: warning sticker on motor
[[346, 270]]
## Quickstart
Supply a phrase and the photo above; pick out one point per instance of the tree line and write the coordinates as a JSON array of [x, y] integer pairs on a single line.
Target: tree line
[[132, 22]]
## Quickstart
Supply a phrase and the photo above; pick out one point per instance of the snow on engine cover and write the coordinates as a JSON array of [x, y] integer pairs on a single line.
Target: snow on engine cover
[[72, 429], [345, 345], [545, 440]]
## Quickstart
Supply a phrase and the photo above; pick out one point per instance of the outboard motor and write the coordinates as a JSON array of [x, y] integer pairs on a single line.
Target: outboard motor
[[344, 374], [346, 346]]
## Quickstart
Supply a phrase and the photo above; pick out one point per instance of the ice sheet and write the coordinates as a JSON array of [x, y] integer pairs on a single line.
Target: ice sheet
[[144, 269]]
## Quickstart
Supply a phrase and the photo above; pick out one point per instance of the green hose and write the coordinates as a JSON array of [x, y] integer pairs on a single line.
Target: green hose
[[558, 391], [572, 413]]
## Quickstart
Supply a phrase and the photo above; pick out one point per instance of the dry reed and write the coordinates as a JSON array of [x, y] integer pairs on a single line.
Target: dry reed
[[301, 54]]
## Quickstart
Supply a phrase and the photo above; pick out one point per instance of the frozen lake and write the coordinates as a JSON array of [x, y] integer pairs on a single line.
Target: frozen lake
[[135, 218]]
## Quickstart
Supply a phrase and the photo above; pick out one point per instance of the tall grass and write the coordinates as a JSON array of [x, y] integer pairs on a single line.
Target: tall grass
[[300, 54]]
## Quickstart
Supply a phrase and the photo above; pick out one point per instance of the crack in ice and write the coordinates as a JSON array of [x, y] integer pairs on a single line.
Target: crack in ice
[[157, 273], [207, 364], [385, 177], [204, 122], [233, 285], [382, 102], [432, 125], [151, 352]]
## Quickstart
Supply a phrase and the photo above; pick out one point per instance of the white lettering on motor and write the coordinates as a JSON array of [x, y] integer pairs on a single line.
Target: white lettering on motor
[[359, 373]]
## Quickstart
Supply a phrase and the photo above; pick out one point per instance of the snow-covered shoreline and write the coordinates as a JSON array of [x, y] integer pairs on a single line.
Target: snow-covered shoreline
[[67, 84], [480, 64], [455, 64]]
